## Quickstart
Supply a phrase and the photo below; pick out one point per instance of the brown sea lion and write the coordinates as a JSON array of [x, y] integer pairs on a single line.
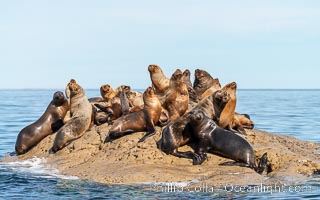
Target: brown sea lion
[[227, 115], [202, 81], [48, 123], [215, 85], [177, 97], [81, 117], [178, 133], [159, 81], [113, 107], [135, 101], [211, 138], [143, 120]]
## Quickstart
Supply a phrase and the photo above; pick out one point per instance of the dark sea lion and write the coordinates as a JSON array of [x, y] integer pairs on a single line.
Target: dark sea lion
[[159, 81], [227, 115], [177, 97], [193, 97], [48, 123], [178, 133], [211, 138], [81, 114], [143, 120]]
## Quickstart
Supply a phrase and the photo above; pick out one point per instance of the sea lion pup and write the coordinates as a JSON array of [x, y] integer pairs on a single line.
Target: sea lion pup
[[211, 138], [178, 132], [159, 81], [227, 115], [176, 100], [143, 120], [193, 97], [81, 117], [48, 123]]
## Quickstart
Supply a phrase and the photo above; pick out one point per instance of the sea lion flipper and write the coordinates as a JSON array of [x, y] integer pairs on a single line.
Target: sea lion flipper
[[148, 134], [57, 125], [262, 164], [124, 102], [180, 154]]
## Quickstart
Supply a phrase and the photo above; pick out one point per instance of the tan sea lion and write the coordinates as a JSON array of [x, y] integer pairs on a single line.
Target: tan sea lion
[[227, 115], [143, 120], [81, 117], [159, 81], [48, 123], [242, 121], [177, 97], [107, 92]]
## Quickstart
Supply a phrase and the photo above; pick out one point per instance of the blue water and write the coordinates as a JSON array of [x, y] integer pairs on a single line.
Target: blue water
[[290, 112]]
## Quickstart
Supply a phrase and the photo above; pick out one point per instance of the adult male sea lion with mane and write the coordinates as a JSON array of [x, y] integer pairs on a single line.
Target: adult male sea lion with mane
[[81, 116], [48, 123]]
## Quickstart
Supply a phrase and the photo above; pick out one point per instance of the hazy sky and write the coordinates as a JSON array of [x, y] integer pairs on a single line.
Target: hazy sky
[[258, 44]]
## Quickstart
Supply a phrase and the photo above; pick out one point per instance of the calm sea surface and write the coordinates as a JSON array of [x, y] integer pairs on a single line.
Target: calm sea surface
[[289, 112]]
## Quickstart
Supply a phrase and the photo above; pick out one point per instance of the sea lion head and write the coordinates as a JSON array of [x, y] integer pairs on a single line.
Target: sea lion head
[[202, 76], [154, 68], [216, 83], [58, 98], [196, 116], [231, 86], [75, 89], [149, 92], [221, 96], [126, 88], [186, 73], [177, 75], [106, 92]]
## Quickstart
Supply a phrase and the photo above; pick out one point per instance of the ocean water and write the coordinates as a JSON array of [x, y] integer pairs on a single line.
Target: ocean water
[[289, 112]]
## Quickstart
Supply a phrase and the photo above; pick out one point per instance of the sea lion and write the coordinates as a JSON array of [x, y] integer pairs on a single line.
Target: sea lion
[[204, 85], [143, 120], [81, 114], [215, 85], [115, 105], [159, 81], [48, 123], [177, 97], [178, 132], [107, 92], [242, 121], [193, 97], [211, 138], [227, 115], [135, 101]]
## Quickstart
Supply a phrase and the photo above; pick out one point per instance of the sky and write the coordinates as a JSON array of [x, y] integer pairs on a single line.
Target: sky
[[258, 44]]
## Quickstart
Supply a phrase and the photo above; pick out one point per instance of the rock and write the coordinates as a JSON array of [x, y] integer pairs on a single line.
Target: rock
[[126, 161]]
